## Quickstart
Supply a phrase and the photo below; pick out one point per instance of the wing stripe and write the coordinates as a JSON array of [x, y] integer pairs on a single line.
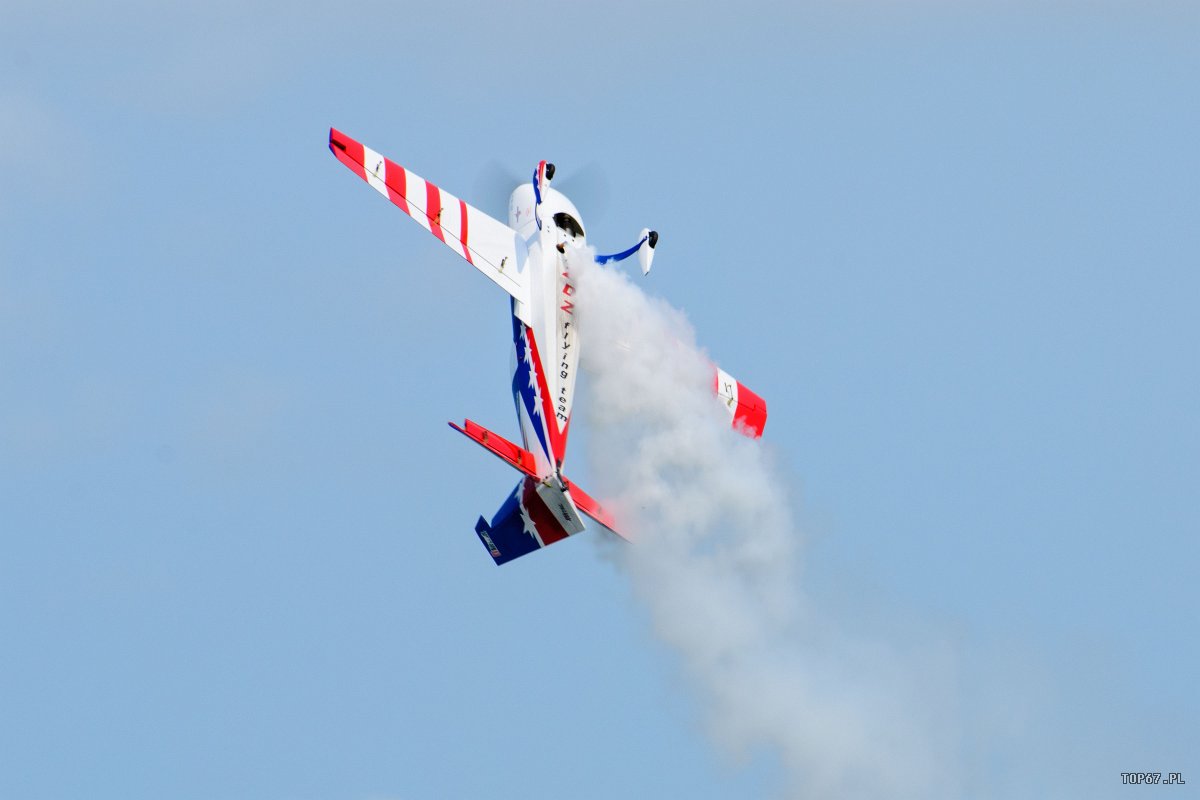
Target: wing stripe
[[433, 209], [462, 207], [751, 411], [396, 180], [747, 411]]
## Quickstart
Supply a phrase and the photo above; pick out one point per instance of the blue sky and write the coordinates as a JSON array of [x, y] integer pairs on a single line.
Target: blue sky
[[953, 245]]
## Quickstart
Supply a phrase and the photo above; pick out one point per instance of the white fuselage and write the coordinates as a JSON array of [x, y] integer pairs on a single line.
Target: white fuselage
[[548, 357]]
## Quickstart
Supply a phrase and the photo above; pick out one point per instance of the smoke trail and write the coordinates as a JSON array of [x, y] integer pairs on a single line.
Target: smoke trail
[[716, 563]]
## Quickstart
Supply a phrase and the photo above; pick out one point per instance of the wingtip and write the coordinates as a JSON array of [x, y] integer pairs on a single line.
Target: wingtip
[[337, 140]]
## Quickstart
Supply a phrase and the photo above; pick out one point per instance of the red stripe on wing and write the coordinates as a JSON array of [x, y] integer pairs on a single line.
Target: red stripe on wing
[[462, 207], [347, 151], [397, 184], [433, 209], [751, 413]]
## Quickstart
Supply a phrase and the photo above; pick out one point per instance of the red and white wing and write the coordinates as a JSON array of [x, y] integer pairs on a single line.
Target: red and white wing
[[747, 411], [486, 243]]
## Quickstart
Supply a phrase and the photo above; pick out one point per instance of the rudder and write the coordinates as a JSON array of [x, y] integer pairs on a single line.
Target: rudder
[[523, 524]]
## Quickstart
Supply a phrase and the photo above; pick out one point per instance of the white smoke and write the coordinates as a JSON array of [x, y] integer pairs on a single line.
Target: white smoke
[[715, 560]]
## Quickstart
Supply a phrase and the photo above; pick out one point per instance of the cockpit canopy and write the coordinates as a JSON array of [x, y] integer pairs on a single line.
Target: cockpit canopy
[[565, 222]]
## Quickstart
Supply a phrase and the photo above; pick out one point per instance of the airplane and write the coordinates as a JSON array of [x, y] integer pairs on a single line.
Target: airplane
[[527, 258]]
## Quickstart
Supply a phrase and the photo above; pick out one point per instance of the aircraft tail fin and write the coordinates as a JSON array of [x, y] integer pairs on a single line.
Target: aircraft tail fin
[[513, 533], [540, 511]]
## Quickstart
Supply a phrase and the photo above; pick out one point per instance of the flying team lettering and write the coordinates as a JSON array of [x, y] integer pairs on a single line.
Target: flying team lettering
[[564, 372], [565, 355]]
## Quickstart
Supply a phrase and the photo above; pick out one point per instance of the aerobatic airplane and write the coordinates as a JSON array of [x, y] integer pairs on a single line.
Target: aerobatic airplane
[[527, 259]]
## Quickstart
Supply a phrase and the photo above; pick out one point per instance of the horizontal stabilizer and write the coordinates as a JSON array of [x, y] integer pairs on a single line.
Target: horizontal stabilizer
[[541, 510], [508, 452], [585, 503]]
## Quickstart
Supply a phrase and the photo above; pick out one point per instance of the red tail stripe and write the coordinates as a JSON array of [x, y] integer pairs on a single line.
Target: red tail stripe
[[558, 439], [547, 526]]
